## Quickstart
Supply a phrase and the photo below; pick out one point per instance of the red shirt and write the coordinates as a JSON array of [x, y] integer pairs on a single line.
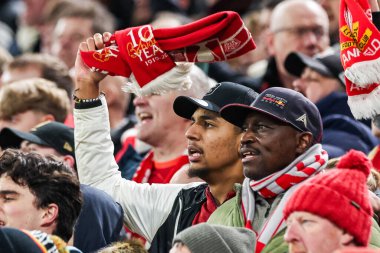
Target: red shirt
[[209, 207], [151, 171]]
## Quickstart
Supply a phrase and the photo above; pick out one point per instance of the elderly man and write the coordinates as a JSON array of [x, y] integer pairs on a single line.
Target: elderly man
[[331, 211], [296, 25], [280, 148]]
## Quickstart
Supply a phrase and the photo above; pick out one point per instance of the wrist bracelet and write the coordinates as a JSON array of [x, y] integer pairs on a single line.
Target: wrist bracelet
[[88, 100]]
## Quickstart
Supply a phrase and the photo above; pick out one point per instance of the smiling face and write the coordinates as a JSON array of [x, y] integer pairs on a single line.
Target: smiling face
[[213, 144], [308, 233], [17, 206], [156, 118], [267, 145]]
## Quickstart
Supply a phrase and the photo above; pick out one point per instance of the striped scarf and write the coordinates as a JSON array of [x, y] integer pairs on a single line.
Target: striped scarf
[[287, 180]]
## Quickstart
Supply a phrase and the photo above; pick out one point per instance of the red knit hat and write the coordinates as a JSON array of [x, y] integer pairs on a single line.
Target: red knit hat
[[357, 250], [340, 195]]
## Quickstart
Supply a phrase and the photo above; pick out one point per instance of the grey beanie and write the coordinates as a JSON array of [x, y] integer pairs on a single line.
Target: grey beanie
[[209, 238]]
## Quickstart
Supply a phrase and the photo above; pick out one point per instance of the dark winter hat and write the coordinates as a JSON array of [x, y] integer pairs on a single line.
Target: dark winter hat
[[50, 133], [283, 104], [328, 65], [221, 94], [216, 238], [340, 195]]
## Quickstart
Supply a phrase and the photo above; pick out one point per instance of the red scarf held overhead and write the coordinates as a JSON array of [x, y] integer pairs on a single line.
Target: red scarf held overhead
[[360, 52], [148, 55]]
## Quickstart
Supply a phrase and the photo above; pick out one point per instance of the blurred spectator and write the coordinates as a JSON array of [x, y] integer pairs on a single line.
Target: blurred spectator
[[5, 58], [258, 23], [38, 65], [296, 25], [321, 79], [77, 23], [332, 8], [25, 103], [117, 102]]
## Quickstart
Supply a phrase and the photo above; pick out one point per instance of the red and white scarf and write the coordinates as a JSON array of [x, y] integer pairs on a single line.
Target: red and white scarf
[[148, 56], [310, 163], [360, 53]]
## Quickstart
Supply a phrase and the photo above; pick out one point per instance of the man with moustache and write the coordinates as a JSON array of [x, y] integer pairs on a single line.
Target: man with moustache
[[280, 148], [160, 211]]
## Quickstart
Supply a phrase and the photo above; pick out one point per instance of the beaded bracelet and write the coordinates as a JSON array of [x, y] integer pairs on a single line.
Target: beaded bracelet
[[88, 100]]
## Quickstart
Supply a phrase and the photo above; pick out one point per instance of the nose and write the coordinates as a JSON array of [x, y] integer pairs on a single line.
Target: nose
[[140, 101], [310, 39], [298, 84], [247, 137], [292, 232], [192, 132]]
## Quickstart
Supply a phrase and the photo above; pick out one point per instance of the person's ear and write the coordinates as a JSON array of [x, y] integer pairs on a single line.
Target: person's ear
[[304, 142], [69, 160], [269, 38], [48, 117], [50, 215], [346, 239]]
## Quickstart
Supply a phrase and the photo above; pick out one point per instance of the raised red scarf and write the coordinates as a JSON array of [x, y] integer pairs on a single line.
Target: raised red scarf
[[360, 52], [147, 56]]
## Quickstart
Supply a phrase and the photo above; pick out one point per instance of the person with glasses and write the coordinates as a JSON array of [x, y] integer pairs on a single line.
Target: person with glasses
[[296, 25]]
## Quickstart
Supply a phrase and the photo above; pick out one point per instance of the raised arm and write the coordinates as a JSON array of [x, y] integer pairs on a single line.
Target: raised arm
[[145, 206]]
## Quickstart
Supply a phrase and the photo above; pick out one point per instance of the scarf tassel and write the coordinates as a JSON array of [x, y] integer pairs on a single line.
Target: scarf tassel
[[364, 73], [365, 106]]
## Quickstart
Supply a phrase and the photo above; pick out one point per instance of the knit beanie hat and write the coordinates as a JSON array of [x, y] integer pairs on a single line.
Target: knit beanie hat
[[339, 195], [357, 250], [209, 238]]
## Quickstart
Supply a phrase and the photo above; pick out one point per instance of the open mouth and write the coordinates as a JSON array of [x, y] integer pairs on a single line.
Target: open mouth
[[144, 117], [247, 154], [194, 153], [2, 223]]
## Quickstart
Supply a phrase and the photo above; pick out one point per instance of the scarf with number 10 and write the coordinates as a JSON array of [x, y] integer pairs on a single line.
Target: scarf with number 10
[[148, 56]]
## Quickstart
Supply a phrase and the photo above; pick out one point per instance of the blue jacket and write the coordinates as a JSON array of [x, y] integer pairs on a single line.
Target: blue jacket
[[100, 221]]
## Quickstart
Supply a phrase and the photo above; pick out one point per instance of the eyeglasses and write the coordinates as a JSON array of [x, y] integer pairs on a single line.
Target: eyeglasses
[[302, 31]]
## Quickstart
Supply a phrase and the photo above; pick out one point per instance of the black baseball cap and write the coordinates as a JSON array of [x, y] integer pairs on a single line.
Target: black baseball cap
[[221, 94], [328, 64], [284, 104], [49, 133]]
